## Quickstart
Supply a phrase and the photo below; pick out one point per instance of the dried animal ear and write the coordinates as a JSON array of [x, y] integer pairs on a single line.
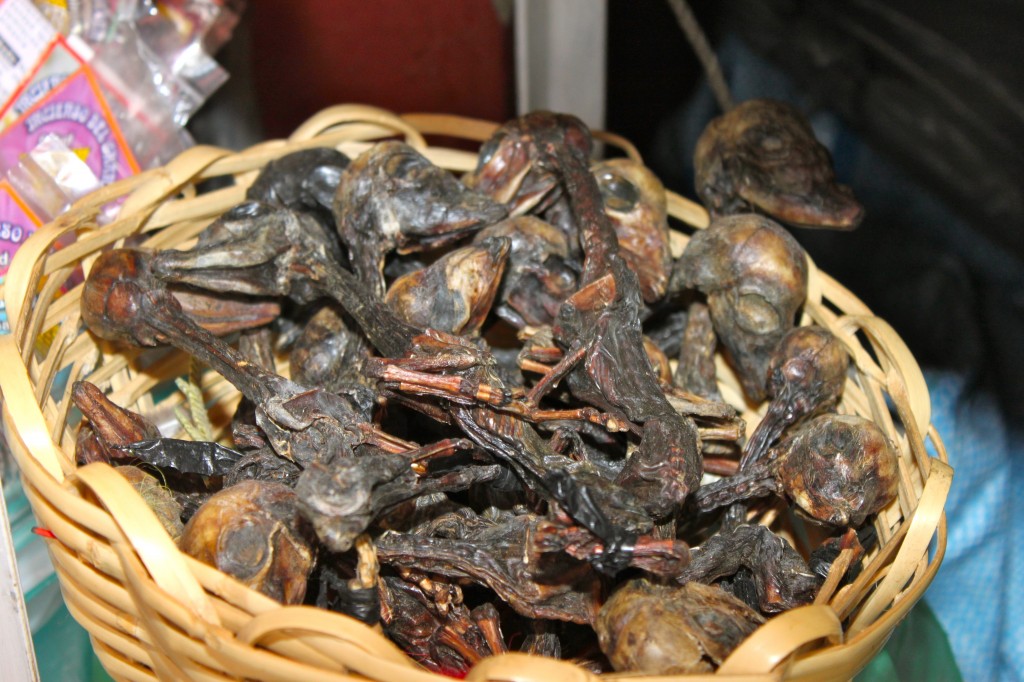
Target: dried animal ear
[[755, 314], [619, 194], [253, 532], [754, 274], [661, 630]]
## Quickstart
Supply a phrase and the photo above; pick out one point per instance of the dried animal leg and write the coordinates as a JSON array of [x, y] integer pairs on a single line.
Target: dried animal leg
[[496, 554], [806, 374], [696, 369], [781, 577]]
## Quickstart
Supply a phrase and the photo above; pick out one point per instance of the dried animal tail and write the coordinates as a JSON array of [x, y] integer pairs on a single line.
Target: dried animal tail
[[699, 41]]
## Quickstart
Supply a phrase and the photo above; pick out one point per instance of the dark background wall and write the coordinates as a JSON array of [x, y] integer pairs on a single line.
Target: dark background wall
[[922, 106], [921, 103]]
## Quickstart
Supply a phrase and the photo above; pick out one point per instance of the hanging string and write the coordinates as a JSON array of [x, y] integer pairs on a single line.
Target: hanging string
[[706, 55]]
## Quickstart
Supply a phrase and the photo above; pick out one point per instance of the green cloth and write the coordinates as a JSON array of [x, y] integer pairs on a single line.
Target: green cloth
[[917, 650], [64, 652]]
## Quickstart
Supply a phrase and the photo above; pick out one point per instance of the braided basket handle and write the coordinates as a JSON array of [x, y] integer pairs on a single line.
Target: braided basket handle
[[144, 535], [23, 412], [362, 649], [778, 639], [381, 122], [922, 527], [517, 667]]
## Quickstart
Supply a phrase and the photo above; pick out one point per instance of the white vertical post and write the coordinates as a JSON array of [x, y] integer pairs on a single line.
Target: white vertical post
[[560, 57], [16, 651]]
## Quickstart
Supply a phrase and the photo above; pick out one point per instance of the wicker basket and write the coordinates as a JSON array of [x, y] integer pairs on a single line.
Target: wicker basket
[[155, 613]]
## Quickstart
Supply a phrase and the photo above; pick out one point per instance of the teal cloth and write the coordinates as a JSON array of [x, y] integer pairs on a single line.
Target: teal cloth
[[917, 650]]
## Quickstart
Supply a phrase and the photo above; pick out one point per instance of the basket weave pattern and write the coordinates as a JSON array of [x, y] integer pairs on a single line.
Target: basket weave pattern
[[155, 613]]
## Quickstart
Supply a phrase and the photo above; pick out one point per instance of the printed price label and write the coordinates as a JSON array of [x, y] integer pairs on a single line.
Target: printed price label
[[57, 63], [25, 34]]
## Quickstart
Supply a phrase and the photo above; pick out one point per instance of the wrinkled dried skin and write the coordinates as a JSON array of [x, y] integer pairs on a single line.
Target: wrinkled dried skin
[[392, 197], [507, 168], [122, 302], [157, 497], [252, 532], [437, 641], [336, 497], [839, 469], [303, 180], [222, 313], [763, 156], [806, 375], [544, 644], [782, 580], [634, 200], [257, 345], [469, 390], [757, 480], [666, 467], [108, 425], [265, 250], [408, 622], [696, 370], [609, 511], [495, 554], [663, 630], [754, 274], [341, 497], [616, 377], [599, 329], [257, 249], [327, 353], [454, 294], [263, 464], [202, 458], [539, 275]]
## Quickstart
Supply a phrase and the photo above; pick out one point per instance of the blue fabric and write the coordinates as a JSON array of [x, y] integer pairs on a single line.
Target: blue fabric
[[958, 302], [975, 594], [1012, 641]]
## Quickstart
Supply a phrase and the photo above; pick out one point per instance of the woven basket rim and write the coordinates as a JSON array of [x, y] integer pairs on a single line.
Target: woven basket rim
[[105, 532]]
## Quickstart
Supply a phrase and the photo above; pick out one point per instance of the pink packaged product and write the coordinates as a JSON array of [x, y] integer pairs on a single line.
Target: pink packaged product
[[93, 92], [17, 222], [76, 115], [58, 61]]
